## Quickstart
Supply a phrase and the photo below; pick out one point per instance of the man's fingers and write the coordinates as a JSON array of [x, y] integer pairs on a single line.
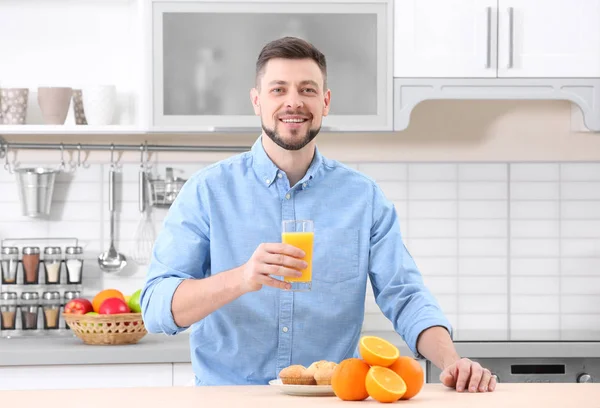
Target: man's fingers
[[493, 383], [464, 372], [279, 271], [447, 378], [278, 284], [485, 380], [283, 260], [476, 375], [281, 248]]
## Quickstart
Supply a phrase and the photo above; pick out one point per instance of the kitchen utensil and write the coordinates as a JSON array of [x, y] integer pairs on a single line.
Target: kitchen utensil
[[164, 192], [36, 186], [54, 103], [143, 239], [111, 261]]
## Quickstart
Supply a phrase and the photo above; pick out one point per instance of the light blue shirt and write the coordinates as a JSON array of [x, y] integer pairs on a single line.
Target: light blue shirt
[[226, 210]]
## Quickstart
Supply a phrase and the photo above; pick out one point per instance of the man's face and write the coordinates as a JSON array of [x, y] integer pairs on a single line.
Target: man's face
[[291, 101]]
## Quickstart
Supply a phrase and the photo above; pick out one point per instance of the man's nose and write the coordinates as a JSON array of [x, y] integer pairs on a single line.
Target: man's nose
[[294, 101]]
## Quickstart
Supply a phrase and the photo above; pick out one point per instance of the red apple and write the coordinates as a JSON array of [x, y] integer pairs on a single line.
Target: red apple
[[114, 306], [79, 306]]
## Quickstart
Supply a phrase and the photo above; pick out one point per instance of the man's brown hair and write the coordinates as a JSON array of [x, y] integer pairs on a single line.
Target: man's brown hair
[[290, 48]]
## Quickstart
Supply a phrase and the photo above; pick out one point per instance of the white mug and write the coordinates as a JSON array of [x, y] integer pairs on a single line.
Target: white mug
[[99, 104]]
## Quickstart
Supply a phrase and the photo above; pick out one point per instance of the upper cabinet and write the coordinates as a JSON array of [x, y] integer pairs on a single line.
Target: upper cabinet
[[203, 56], [497, 38], [445, 38], [553, 38]]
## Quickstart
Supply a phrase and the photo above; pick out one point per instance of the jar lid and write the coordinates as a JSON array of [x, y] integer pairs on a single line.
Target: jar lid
[[31, 250], [10, 250], [72, 294], [74, 250], [51, 295], [52, 250], [8, 295], [29, 296]]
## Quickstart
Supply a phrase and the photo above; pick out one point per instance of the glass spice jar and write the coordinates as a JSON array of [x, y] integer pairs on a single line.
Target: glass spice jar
[[52, 263], [8, 310], [31, 264], [70, 295], [29, 310], [74, 262], [51, 307], [9, 262]]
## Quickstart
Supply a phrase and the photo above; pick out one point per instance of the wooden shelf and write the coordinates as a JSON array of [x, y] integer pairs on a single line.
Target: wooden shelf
[[70, 130]]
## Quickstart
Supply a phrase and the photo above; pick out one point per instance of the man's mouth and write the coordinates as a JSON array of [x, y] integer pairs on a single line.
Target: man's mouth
[[293, 120]]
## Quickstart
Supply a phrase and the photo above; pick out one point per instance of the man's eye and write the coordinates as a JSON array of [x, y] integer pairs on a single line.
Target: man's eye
[[276, 90], [309, 90]]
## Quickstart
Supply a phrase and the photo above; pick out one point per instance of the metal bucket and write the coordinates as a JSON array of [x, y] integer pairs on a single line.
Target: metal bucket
[[36, 185]]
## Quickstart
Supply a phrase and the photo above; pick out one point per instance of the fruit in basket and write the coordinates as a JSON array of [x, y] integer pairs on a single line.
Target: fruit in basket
[[106, 294], [78, 306], [134, 301], [114, 306]]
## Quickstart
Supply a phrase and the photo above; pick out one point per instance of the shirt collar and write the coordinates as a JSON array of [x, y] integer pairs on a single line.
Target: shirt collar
[[267, 170]]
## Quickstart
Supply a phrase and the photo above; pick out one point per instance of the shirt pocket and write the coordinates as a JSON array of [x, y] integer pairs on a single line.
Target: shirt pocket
[[335, 255]]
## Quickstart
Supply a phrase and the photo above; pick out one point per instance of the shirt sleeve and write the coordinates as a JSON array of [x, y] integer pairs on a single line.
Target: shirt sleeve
[[181, 251], [397, 283]]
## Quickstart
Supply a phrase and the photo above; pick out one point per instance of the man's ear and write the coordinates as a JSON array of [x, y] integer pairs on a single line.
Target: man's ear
[[327, 101], [255, 101]]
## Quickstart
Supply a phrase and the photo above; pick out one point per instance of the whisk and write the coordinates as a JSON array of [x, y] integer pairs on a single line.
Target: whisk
[[144, 237]]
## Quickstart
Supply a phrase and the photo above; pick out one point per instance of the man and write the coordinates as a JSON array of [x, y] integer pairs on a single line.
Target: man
[[218, 264]]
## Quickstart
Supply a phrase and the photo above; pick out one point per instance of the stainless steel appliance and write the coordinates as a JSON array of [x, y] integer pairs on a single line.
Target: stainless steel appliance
[[538, 370]]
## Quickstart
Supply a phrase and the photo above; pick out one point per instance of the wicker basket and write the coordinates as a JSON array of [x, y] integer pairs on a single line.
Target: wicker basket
[[124, 328]]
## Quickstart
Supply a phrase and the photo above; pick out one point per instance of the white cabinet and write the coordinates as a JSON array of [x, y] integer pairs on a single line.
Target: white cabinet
[[553, 38], [497, 38], [445, 38], [203, 57], [86, 376], [183, 375]]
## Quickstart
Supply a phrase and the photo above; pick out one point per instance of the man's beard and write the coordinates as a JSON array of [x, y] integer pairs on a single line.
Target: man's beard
[[279, 141]]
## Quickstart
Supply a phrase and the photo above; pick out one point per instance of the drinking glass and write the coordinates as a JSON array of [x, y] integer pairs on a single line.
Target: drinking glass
[[300, 233]]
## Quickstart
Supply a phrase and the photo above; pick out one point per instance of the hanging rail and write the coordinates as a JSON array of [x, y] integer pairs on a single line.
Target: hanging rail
[[4, 145]]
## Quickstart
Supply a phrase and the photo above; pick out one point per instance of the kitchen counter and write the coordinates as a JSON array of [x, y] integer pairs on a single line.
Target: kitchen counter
[[157, 348], [432, 395]]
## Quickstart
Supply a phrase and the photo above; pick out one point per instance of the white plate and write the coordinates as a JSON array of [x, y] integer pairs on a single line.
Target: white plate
[[304, 390]]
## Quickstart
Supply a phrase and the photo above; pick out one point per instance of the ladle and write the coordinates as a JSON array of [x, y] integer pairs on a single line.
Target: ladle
[[111, 261]]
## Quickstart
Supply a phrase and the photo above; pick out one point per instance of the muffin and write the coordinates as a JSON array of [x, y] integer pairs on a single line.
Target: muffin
[[296, 374], [312, 369], [323, 374]]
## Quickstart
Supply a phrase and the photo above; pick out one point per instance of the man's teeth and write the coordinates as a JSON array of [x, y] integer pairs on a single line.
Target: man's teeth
[[293, 120]]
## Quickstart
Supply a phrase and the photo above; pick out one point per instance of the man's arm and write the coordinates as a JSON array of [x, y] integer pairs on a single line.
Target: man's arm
[[436, 346]]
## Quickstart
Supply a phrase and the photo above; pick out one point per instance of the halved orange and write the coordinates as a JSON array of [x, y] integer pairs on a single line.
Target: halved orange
[[377, 351], [384, 385]]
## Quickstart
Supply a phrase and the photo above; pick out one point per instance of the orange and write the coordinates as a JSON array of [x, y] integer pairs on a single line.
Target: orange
[[348, 380], [377, 351], [384, 385], [105, 294], [411, 372]]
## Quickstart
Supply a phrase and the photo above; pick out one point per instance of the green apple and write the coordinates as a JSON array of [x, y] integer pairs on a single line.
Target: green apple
[[91, 313], [134, 302]]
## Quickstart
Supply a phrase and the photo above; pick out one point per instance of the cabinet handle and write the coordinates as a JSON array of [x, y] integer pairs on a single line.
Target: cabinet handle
[[511, 36], [488, 41]]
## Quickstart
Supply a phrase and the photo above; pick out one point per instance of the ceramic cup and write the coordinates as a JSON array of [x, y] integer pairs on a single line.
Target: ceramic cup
[[13, 105], [99, 103], [78, 111], [54, 103]]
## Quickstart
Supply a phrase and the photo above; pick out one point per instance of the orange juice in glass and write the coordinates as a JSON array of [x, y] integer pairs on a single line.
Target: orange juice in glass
[[300, 233]]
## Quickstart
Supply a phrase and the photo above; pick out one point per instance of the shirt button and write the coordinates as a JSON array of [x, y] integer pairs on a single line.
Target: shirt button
[[267, 181], [279, 175], [285, 329], [287, 196], [304, 185]]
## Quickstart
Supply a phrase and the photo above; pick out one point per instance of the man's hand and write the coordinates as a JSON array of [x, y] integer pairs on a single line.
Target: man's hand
[[272, 259], [465, 374]]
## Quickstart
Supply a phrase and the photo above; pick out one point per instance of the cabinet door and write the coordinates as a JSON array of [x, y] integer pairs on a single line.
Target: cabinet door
[[86, 376], [445, 38], [553, 38], [204, 56]]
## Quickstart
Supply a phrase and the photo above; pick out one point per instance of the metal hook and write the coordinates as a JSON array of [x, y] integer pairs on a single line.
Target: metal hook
[[112, 150], [6, 164], [62, 156]]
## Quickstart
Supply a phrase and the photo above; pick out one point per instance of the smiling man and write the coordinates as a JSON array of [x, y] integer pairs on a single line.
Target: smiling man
[[218, 263]]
